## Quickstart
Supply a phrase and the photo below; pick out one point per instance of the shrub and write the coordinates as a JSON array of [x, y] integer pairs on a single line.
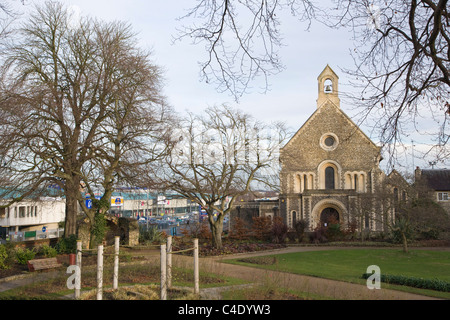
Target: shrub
[[279, 230], [3, 257], [333, 229], [433, 284], [48, 251], [67, 245], [239, 229], [350, 231], [397, 233], [300, 227], [318, 235], [261, 227], [23, 255], [205, 231], [149, 235]]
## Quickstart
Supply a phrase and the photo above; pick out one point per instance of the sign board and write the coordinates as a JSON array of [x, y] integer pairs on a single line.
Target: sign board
[[89, 203], [116, 201], [44, 228]]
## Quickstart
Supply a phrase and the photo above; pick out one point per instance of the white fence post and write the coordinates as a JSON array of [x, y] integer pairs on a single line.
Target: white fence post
[[116, 264], [78, 263], [100, 272], [196, 268], [163, 273], [169, 262]]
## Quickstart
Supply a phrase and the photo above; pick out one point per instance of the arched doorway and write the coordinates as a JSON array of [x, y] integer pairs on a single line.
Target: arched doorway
[[329, 215], [328, 208]]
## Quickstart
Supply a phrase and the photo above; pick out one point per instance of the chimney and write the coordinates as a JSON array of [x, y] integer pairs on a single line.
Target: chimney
[[417, 174]]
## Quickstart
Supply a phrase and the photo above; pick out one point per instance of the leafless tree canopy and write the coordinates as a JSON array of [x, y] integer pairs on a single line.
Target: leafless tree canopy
[[241, 39], [217, 157], [80, 107], [402, 60], [401, 55]]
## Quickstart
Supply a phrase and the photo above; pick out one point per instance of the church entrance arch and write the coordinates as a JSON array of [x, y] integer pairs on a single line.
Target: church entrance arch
[[327, 209], [328, 215]]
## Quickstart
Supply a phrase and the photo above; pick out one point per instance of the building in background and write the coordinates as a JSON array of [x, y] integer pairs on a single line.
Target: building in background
[[32, 219], [328, 165], [438, 182]]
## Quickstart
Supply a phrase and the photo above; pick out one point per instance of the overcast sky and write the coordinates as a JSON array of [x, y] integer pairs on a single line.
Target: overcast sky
[[293, 92]]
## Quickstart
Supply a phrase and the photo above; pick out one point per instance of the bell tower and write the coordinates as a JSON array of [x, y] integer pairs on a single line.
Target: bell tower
[[328, 87]]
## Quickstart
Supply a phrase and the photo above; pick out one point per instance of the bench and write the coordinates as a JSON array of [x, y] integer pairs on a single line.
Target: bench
[[42, 264]]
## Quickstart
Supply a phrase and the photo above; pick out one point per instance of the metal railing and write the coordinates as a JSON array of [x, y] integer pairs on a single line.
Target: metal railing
[[16, 236]]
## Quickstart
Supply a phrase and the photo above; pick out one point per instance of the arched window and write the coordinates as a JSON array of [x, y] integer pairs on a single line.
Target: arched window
[[294, 218], [329, 178]]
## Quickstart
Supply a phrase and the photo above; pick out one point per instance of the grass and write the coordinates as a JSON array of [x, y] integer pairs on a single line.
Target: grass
[[349, 264]]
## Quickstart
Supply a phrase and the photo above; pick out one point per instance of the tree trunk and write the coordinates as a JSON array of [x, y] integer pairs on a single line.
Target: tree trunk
[[71, 192], [405, 243], [216, 230], [70, 226]]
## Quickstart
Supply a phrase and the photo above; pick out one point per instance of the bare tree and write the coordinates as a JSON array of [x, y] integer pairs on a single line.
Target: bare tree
[[402, 61], [401, 56], [218, 157], [403, 209], [241, 39], [81, 107]]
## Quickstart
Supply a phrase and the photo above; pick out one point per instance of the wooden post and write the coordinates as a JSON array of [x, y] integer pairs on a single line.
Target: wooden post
[[169, 262], [100, 272], [78, 263], [163, 273], [196, 268], [116, 264]]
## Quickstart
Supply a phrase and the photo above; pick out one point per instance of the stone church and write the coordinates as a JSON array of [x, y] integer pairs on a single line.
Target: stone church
[[328, 165]]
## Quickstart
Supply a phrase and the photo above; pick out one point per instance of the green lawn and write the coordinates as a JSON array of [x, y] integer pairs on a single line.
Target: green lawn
[[350, 264]]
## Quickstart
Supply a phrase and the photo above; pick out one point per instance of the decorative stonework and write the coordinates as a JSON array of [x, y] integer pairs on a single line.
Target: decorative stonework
[[328, 163]]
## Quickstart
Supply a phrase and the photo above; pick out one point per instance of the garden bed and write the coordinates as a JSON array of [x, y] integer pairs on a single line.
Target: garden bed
[[229, 247]]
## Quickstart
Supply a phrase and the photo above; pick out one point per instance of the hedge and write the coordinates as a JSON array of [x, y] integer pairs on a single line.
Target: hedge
[[433, 284]]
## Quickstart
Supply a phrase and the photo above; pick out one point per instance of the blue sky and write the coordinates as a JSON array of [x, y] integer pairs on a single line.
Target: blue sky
[[293, 92]]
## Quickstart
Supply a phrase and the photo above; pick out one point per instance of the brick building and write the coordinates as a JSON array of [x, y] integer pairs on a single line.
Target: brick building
[[438, 182], [328, 165]]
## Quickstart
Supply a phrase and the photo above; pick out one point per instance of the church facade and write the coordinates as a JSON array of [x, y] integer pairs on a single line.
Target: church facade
[[330, 167]]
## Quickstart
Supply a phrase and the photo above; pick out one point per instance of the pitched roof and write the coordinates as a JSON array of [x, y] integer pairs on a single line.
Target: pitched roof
[[339, 110], [438, 179]]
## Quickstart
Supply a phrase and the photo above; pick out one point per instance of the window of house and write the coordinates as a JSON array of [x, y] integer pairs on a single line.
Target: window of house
[[294, 218], [442, 196], [395, 194], [22, 212], [367, 221], [329, 141], [329, 178]]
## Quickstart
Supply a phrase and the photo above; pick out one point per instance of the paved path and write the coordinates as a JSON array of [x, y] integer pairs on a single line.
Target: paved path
[[25, 279]]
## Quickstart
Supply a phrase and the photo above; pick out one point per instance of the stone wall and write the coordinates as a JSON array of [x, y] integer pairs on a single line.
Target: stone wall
[[126, 228]]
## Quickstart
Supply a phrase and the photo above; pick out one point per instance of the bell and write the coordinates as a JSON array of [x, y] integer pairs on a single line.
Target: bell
[[328, 88]]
